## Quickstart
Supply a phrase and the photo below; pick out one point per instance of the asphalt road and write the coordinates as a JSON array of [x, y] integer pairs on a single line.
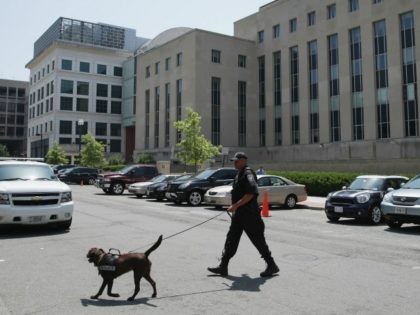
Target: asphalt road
[[344, 268]]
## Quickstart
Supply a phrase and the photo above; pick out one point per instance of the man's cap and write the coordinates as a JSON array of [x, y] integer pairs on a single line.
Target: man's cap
[[239, 155]]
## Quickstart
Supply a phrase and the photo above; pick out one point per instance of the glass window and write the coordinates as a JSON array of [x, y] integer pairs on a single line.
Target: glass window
[[82, 88], [12, 92], [311, 18], [66, 103], [66, 127], [3, 91], [82, 104], [84, 67], [115, 107], [215, 56], [261, 36], [116, 130], [21, 92], [167, 63], [102, 90], [100, 129], [241, 61], [66, 64], [276, 31], [116, 91], [157, 66], [101, 106], [67, 86], [293, 25], [147, 71], [179, 59], [118, 71], [101, 69], [115, 146], [353, 5], [331, 11]]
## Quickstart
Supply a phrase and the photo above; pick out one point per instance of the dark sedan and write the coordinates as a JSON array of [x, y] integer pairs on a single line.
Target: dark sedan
[[79, 175], [158, 190], [362, 199]]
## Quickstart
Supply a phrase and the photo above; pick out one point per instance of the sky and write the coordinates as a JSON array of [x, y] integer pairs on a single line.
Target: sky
[[22, 22]]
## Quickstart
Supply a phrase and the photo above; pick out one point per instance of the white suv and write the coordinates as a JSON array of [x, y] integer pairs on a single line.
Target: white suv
[[30, 194]]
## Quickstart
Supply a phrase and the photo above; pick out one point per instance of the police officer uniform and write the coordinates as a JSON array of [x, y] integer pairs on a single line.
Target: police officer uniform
[[246, 218]]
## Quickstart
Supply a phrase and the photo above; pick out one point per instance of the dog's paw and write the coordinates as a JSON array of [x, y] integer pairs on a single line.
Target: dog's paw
[[130, 299], [114, 295], [94, 297], [153, 295]]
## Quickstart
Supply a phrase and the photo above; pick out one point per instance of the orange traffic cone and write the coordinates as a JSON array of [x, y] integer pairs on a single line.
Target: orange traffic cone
[[265, 211]]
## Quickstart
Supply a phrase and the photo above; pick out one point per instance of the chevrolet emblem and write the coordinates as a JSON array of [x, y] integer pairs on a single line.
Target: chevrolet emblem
[[36, 198]]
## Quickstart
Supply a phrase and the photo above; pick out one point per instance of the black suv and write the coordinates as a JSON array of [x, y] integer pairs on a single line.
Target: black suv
[[362, 199], [193, 189], [85, 175]]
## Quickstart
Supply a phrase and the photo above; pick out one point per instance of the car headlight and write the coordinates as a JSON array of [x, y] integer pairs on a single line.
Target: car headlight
[[363, 198], [4, 199], [388, 197], [66, 196], [184, 185]]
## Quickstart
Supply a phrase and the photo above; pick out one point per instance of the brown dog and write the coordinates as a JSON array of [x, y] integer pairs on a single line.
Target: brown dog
[[112, 267]]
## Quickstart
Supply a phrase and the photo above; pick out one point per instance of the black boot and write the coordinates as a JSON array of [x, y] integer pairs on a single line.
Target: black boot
[[271, 269], [222, 269]]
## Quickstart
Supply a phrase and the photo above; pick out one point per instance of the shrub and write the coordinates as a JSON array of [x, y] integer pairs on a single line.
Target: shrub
[[145, 158], [319, 183], [115, 159], [113, 168]]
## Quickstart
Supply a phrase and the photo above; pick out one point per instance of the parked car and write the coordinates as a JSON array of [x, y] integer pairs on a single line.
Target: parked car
[[140, 189], [31, 194], [280, 191], [85, 175], [117, 182], [362, 199], [157, 190], [402, 205], [61, 167], [171, 196], [192, 190]]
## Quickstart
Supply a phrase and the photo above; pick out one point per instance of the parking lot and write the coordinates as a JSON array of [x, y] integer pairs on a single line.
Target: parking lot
[[326, 268]]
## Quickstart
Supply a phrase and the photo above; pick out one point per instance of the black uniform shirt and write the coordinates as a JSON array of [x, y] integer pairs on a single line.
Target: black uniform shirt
[[245, 183]]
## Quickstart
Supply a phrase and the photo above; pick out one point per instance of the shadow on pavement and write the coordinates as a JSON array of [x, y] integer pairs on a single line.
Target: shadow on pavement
[[410, 230], [11, 232]]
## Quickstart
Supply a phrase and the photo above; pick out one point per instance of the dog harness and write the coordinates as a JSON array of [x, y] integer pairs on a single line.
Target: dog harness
[[107, 261]]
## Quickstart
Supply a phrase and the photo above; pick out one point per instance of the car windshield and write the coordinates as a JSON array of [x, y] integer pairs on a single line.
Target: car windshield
[[126, 169], [183, 177], [26, 172], [158, 179], [414, 183], [67, 170], [205, 174], [365, 183]]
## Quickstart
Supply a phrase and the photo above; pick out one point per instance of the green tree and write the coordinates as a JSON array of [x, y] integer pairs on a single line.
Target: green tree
[[56, 155], [92, 154], [3, 151], [145, 158], [194, 148]]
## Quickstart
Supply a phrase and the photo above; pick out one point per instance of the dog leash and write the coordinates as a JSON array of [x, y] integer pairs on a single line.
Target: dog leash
[[185, 230]]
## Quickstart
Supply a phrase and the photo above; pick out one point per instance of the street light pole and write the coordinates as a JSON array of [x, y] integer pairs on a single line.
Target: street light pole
[[80, 123]]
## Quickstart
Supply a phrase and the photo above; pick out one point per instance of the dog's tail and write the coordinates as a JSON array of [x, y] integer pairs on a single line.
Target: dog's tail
[[154, 246]]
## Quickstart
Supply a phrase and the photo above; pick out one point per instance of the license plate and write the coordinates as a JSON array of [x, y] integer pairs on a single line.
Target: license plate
[[338, 209], [400, 210], [35, 219]]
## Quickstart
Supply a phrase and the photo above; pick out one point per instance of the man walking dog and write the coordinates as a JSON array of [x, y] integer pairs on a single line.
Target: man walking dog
[[245, 217]]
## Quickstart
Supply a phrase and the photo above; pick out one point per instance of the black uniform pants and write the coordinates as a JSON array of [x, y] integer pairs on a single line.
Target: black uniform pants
[[250, 221]]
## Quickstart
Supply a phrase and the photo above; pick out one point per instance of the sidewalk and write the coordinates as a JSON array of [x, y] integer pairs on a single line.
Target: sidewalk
[[316, 203]]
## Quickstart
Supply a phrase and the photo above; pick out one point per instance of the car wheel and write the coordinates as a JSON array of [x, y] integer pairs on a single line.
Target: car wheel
[[65, 225], [290, 202], [332, 219], [91, 181], [139, 195], [393, 224], [375, 215], [117, 188], [195, 198]]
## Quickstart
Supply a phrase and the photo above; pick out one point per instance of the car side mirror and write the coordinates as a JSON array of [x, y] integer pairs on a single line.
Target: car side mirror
[[344, 187], [389, 189]]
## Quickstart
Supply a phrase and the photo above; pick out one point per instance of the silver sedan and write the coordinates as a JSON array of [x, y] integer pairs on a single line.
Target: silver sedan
[[280, 191]]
